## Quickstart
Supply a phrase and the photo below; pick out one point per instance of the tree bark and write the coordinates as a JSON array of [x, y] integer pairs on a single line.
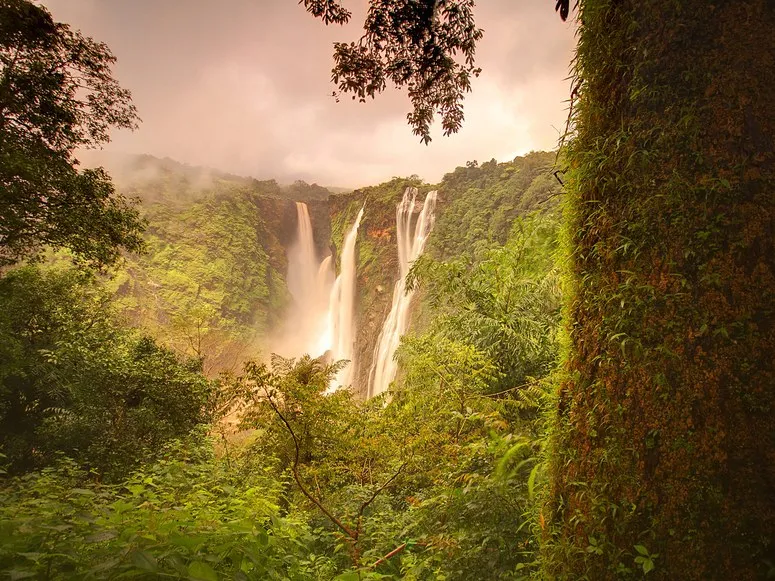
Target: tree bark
[[664, 433]]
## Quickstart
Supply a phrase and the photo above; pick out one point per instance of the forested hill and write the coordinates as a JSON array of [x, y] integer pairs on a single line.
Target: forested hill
[[213, 281], [498, 376], [450, 464], [477, 207]]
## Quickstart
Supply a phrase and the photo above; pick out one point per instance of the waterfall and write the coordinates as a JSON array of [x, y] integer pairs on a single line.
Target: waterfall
[[322, 318], [302, 259], [308, 283], [410, 243], [341, 308]]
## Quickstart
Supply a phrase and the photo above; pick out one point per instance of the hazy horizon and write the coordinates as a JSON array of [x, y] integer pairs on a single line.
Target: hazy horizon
[[244, 87]]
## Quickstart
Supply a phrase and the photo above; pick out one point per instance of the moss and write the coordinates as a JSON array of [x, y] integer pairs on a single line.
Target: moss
[[664, 434]]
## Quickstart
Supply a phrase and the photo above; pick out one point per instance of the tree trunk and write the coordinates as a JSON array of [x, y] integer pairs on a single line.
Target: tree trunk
[[664, 442]]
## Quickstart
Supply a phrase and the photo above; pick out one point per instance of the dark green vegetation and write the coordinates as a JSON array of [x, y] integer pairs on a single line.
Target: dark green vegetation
[[638, 441], [74, 381], [427, 47], [206, 300], [665, 432], [57, 94], [437, 483], [211, 284], [477, 206]]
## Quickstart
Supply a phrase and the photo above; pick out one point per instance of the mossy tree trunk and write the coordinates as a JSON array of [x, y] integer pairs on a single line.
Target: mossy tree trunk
[[664, 441]]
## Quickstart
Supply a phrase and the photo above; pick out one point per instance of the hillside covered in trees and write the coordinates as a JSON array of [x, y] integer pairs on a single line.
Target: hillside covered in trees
[[554, 367]]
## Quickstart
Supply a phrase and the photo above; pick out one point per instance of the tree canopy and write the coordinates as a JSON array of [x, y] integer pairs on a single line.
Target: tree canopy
[[57, 94], [427, 47]]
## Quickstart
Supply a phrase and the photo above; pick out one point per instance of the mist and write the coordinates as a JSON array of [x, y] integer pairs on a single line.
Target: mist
[[244, 86]]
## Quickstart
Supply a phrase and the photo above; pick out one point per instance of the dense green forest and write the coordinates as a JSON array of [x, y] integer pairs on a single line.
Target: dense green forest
[[257, 473], [211, 283], [585, 390], [317, 485]]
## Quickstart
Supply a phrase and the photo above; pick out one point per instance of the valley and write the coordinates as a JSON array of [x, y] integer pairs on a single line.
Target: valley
[[223, 257]]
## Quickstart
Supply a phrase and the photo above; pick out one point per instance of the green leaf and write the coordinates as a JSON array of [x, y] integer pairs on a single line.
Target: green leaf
[[145, 561], [648, 565], [531, 481], [642, 550], [101, 536], [262, 538], [199, 571]]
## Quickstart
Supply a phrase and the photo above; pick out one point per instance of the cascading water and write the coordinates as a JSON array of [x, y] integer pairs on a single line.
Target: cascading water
[[322, 319], [341, 308], [411, 243], [309, 283]]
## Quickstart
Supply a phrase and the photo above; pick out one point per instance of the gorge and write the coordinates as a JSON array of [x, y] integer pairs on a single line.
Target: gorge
[[301, 271]]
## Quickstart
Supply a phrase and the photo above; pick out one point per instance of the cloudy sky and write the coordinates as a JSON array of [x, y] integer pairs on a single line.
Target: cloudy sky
[[244, 86]]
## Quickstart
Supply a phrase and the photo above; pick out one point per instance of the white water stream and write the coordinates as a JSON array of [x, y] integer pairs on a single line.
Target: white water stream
[[411, 243], [322, 317], [309, 287], [341, 308]]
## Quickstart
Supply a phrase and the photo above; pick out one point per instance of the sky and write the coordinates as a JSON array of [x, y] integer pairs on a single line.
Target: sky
[[244, 86]]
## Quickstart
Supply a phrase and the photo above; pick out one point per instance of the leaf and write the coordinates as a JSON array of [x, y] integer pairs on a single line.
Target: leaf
[[145, 561], [531, 480], [642, 550], [104, 566], [14, 574], [199, 571], [262, 538], [101, 536], [648, 565], [191, 542]]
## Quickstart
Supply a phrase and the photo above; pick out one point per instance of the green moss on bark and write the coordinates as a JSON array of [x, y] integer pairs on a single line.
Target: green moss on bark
[[664, 442]]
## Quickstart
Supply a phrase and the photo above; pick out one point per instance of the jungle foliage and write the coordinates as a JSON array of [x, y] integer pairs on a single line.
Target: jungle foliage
[[75, 381], [479, 203], [507, 447], [670, 302], [57, 93], [207, 300], [670, 326], [211, 282], [436, 480]]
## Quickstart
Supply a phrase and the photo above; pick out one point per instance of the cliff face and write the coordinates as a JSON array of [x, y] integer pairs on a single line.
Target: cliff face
[[377, 260], [213, 283], [476, 207], [320, 216]]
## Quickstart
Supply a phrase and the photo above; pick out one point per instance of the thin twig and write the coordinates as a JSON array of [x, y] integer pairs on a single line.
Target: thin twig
[[381, 488], [295, 469], [392, 553]]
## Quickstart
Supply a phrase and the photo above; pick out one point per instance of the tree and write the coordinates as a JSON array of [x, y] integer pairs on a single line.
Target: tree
[[74, 381], [57, 94], [664, 435], [324, 440], [413, 45]]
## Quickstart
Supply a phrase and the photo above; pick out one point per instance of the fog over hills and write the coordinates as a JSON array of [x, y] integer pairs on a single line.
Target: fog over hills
[[245, 86]]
